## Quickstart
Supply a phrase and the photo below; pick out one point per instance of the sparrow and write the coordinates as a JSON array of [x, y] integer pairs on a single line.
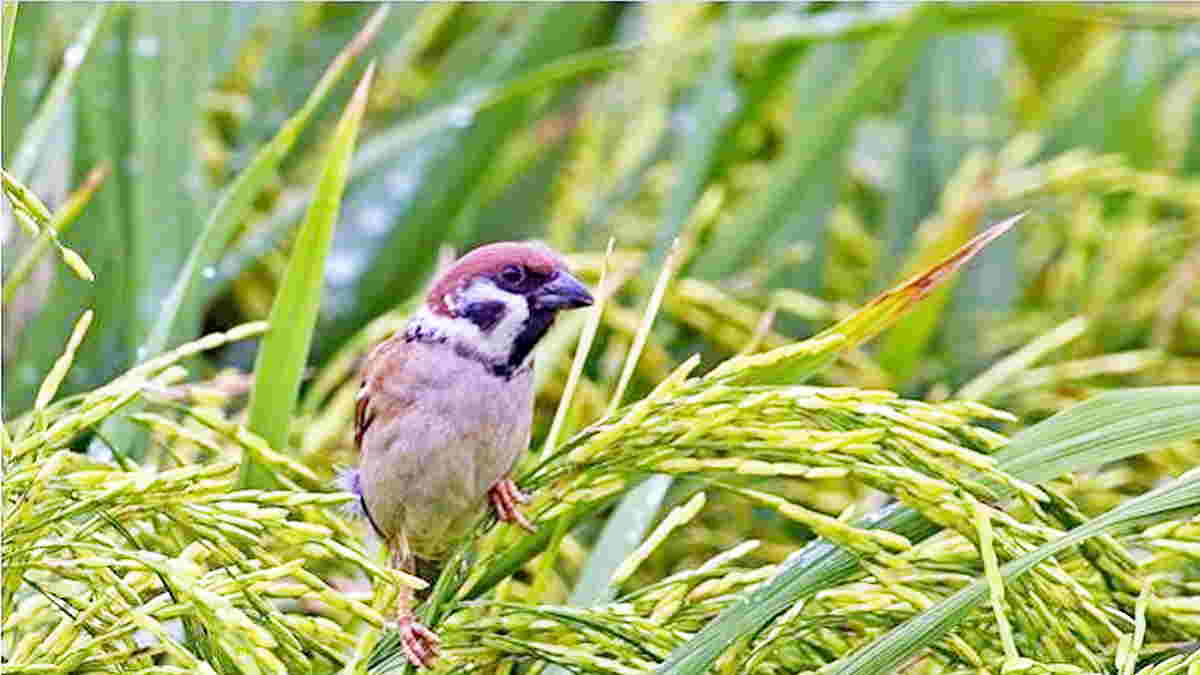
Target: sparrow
[[445, 408]]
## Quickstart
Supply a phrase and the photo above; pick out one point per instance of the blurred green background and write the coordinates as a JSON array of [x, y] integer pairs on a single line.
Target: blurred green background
[[808, 155]]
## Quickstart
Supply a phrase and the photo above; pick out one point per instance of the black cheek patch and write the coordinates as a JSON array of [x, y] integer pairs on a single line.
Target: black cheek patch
[[485, 313]]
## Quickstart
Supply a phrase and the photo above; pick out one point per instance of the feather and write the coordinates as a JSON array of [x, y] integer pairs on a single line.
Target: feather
[[350, 480]]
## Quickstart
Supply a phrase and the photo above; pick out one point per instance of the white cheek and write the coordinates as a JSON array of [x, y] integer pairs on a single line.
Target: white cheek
[[496, 343]]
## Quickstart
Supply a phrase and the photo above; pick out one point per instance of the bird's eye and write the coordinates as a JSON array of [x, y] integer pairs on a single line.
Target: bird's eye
[[512, 275]]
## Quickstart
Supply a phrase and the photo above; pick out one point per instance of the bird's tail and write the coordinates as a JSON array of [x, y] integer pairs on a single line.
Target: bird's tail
[[349, 480]]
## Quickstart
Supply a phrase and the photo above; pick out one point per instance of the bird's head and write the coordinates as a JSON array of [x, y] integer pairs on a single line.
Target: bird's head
[[496, 302]]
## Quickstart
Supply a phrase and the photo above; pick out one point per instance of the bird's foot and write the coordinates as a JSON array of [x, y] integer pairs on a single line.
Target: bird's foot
[[505, 498], [420, 644]]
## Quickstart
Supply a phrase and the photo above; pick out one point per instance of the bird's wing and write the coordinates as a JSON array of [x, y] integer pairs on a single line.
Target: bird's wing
[[385, 362]]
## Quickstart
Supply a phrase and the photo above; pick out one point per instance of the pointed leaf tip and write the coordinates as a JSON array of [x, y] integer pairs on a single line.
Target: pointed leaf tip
[[369, 30], [285, 348], [364, 86], [796, 362], [929, 279]]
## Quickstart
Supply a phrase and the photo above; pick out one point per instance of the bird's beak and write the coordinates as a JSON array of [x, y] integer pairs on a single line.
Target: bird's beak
[[562, 292]]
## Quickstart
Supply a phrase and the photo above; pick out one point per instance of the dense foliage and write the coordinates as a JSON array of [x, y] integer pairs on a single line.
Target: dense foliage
[[729, 471]]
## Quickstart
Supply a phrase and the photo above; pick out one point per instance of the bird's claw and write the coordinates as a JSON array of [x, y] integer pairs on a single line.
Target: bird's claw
[[505, 497], [420, 644]]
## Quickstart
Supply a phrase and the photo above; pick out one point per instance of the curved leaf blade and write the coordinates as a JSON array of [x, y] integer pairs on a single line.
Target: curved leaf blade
[[285, 347]]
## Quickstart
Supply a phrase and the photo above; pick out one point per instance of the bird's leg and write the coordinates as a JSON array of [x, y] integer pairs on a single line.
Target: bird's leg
[[505, 498], [420, 644]]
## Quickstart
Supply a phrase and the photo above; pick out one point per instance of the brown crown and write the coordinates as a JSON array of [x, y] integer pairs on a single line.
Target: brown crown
[[487, 261]]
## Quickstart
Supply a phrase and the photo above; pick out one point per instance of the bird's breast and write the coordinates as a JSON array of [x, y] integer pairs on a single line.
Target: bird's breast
[[426, 468]]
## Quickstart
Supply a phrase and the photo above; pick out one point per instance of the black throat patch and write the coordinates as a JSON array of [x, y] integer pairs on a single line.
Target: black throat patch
[[535, 327]]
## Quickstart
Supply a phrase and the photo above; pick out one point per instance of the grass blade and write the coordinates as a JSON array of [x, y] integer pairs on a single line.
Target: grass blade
[[51, 109], [1109, 103], [906, 346], [795, 363], [134, 107], [629, 523], [958, 82], [1109, 427], [623, 532], [177, 317], [285, 347], [8, 21], [440, 175], [26, 69], [1103, 429], [955, 105], [885, 62], [235, 202], [884, 654], [1190, 165], [388, 145], [816, 197], [167, 61], [701, 151], [102, 128], [1020, 360], [587, 336]]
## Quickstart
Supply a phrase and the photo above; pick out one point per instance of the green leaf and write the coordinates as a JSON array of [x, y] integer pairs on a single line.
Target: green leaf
[[51, 109], [403, 139], [622, 533], [979, 388], [26, 66], [817, 193], [885, 62], [1103, 429], [1107, 428], [886, 653], [102, 123], [135, 108], [955, 104], [179, 315], [236, 200], [796, 362], [905, 347], [284, 349], [711, 114], [8, 21], [300, 39], [1191, 157], [167, 64], [1109, 102], [415, 194]]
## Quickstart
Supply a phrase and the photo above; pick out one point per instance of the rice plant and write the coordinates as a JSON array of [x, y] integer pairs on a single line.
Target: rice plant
[[893, 366]]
